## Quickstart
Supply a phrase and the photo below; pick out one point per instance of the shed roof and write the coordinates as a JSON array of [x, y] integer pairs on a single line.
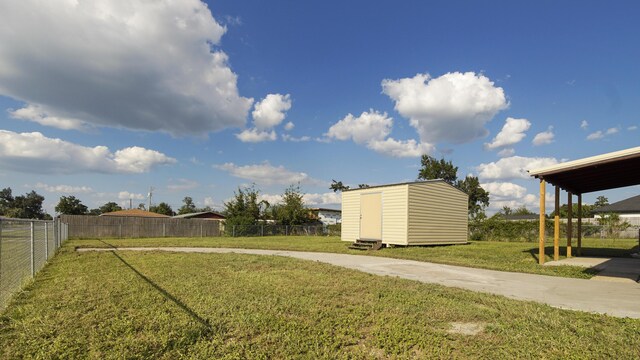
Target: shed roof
[[601, 172], [135, 213], [190, 215], [410, 183], [626, 206]]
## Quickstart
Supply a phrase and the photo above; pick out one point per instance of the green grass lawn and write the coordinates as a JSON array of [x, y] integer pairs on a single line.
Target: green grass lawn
[[505, 256], [200, 306]]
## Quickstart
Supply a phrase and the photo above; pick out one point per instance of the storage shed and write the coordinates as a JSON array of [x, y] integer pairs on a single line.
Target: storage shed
[[415, 213]]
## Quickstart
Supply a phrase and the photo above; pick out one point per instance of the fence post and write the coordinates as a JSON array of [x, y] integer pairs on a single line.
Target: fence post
[[46, 241], [120, 231], [33, 269], [286, 230], [261, 230], [201, 235], [164, 229], [233, 233], [1, 225]]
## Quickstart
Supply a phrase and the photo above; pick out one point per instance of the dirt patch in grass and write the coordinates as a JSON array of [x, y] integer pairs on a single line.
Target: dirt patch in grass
[[466, 328]]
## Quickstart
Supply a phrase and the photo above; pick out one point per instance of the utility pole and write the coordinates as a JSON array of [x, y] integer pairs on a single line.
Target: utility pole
[[150, 195]]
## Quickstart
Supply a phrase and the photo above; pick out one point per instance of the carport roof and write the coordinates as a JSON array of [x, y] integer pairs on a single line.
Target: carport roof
[[601, 172]]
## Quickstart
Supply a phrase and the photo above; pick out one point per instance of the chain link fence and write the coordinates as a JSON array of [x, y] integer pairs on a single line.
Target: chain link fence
[[282, 230], [25, 247]]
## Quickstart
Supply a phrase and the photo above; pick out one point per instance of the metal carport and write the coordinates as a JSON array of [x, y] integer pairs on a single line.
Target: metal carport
[[602, 172]]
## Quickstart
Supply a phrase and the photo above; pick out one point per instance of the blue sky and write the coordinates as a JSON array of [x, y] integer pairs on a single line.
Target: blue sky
[[102, 101]]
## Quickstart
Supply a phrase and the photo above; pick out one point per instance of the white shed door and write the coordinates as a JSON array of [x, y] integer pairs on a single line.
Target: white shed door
[[371, 216]]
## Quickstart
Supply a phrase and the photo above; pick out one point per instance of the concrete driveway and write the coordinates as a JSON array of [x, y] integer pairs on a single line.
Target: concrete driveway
[[620, 299]]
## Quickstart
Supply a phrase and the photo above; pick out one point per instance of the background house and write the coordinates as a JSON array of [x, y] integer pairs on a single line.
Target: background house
[[327, 216], [628, 209]]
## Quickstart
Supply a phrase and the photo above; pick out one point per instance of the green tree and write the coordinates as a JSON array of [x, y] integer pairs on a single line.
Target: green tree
[[189, 207], [6, 200], [70, 205], [110, 207], [338, 186], [440, 169], [612, 224], [600, 202], [478, 197], [522, 210], [245, 208], [291, 210], [162, 208], [506, 210], [27, 206], [94, 212]]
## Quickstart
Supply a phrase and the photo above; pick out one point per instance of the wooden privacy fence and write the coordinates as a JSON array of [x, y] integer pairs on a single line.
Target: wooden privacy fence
[[88, 227]]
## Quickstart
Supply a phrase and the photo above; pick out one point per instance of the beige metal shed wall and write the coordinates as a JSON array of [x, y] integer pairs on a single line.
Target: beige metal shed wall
[[437, 214], [350, 227], [394, 213]]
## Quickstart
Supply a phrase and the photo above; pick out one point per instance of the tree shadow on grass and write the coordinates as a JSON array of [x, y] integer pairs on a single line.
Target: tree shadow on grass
[[204, 322]]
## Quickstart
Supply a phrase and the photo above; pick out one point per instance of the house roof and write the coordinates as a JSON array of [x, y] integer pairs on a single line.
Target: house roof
[[135, 213], [190, 215], [601, 172], [630, 205]]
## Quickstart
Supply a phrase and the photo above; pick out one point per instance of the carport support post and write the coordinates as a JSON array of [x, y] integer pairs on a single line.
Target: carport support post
[[579, 225], [556, 226], [569, 222], [542, 212]]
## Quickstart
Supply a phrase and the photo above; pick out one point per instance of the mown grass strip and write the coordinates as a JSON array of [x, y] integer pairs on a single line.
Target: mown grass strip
[[504, 256], [167, 306]]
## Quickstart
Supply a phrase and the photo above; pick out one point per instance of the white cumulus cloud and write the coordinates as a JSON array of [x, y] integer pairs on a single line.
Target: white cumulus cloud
[[506, 152], [65, 189], [289, 126], [544, 138], [514, 167], [254, 135], [267, 114], [372, 129], [271, 110], [595, 135], [35, 153], [584, 125], [36, 114], [512, 133], [370, 125], [453, 107], [322, 198], [125, 195], [600, 134], [267, 174], [137, 64], [397, 148], [503, 194]]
